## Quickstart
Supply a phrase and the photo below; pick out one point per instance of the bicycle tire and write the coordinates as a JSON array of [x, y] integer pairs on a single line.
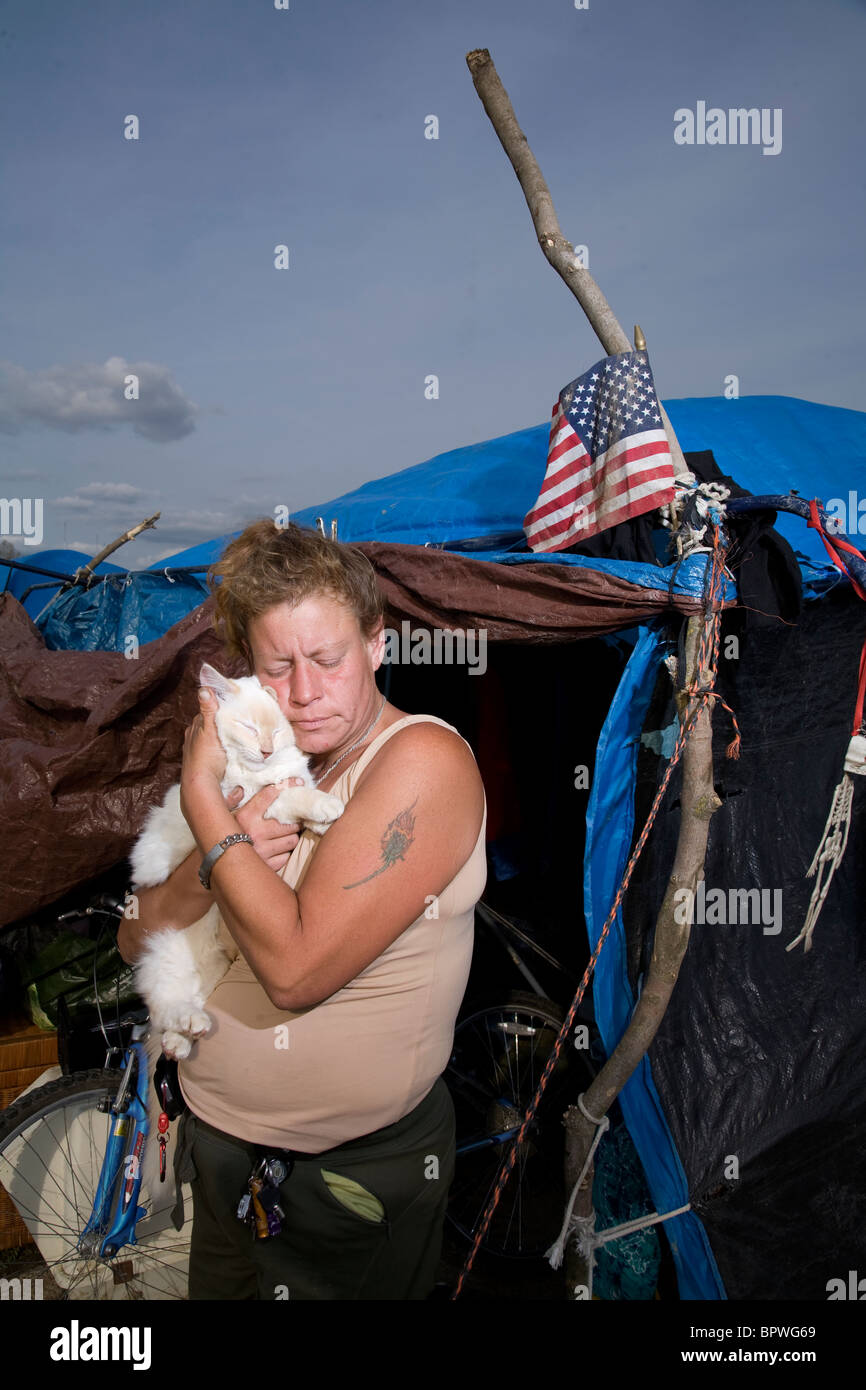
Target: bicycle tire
[[499, 1054], [52, 1142]]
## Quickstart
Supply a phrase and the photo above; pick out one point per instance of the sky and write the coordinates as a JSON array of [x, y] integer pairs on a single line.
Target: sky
[[409, 257]]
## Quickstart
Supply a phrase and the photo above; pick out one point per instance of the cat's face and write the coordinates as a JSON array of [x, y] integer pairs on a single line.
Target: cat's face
[[249, 721]]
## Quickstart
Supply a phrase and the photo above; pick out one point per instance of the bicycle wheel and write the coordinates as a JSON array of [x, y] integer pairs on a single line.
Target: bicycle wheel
[[52, 1143], [499, 1055]]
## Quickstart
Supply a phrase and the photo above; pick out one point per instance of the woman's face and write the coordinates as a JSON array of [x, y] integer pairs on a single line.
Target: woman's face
[[316, 659]]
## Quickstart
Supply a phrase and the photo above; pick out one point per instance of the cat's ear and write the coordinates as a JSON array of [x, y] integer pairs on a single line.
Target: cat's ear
[[213, 680], [269, 690]]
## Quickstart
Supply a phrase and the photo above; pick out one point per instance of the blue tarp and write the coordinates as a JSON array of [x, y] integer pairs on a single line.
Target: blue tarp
[[609, 828], [770, 444], [18, 581], [124, 609]]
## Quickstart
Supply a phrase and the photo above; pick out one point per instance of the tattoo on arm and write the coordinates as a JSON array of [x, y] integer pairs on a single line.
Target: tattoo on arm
[[395, 842]]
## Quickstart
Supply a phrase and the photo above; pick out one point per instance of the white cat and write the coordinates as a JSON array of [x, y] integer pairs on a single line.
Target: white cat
[[178, 970]]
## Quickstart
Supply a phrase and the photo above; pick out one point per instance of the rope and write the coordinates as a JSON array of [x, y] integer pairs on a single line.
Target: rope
[[708, 652], [833, 547], [827, 858], [589, 1240], [834, 839], [572, 1223], [638, 1224]]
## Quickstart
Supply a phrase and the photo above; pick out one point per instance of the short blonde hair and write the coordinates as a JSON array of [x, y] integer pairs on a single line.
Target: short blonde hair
[[269, 564]]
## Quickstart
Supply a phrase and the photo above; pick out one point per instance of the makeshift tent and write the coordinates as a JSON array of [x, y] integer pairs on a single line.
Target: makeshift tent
[[770, 444], [761, 1050]]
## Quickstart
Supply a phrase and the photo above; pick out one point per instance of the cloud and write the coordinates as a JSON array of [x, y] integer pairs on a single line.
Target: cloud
[[123, 491], [188, 528], [77, 504], [90, 397], [110, 498]]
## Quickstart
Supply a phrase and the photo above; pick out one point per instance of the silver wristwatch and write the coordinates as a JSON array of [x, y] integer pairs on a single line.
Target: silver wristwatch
[[206, 865]]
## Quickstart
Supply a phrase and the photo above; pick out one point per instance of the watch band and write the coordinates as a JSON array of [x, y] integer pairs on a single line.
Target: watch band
[[206, 865]]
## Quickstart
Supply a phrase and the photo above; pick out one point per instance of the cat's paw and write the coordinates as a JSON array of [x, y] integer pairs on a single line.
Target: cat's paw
[[328, 809], [183, 1029], [175, 1046], [199, 1024]]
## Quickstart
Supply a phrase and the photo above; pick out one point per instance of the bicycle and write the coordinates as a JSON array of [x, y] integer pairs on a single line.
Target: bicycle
[[71, 1149], [499, 1054], [71, 1154]]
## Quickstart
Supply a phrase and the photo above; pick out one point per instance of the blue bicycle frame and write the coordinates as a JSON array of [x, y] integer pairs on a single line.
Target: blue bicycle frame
[[116, 1202]]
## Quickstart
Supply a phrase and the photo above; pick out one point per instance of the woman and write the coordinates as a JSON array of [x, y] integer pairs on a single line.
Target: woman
[[335, 1021]]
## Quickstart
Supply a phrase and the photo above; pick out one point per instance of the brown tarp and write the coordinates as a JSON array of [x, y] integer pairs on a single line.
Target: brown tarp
[[90, 740]]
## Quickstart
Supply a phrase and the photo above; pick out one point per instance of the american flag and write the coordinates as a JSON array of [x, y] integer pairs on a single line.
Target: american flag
[[608, 457]]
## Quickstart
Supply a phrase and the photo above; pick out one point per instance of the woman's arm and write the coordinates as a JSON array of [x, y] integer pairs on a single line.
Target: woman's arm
[[407, 830], [172, 905]]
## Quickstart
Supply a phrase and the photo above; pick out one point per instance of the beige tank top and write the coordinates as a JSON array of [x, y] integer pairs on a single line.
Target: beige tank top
[[357, 1061]]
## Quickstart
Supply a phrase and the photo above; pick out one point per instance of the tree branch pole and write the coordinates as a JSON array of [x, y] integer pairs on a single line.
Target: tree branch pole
[[698, 804], [89, 569], [559, 252], [698, 798]]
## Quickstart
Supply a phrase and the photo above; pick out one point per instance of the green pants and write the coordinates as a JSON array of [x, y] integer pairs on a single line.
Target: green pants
[[327, 1249]]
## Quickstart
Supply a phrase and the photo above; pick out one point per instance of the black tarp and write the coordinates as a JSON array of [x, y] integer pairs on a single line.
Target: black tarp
[[761, 1056]]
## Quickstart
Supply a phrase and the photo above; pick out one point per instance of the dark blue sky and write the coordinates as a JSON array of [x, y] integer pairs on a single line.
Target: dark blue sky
[[407, 256]]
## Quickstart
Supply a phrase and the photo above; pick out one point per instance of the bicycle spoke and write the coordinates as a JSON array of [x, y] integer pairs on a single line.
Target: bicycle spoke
[[497, 1061], [51, 1160]]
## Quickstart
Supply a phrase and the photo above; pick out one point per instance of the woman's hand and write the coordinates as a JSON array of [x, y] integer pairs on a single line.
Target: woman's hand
[[203, 755], [272, 840], [204, 765]]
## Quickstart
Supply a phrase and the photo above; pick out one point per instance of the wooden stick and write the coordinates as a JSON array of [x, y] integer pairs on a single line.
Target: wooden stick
[[88, 569], [698, 802], [559, 252]]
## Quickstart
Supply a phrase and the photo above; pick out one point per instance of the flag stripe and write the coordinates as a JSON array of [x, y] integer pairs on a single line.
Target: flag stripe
[[587, 484], [632, 473], [573, 525]]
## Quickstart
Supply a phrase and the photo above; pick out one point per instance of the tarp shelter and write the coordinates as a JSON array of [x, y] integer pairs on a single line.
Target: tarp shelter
[[761, 1051]]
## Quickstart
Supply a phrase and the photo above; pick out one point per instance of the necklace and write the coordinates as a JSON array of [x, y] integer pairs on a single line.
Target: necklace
[[365, 734]]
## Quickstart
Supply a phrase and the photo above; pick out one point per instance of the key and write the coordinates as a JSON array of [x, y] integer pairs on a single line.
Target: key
[[259, 1215], [276, 1171], [244, 1207], [273, 1212], [270, 1200]]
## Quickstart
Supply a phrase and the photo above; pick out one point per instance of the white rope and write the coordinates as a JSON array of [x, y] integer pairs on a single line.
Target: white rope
[[586, 1115], [583, 1227], [709, 501], [628, 1227], [828, 857], [572, 1223]]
